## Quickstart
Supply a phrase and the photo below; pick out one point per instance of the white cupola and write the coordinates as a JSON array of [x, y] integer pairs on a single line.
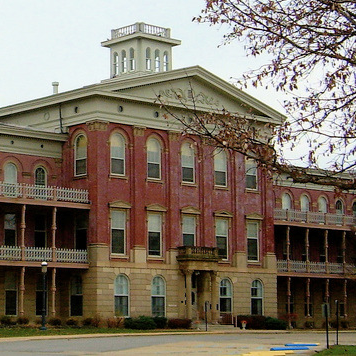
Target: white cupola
[[140, 49]]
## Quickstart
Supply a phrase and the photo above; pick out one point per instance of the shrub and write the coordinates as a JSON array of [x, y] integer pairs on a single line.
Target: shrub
[[345, 324], [253, 321], [309, 324], [275, 324], [160, 321], [54, 321], [115, 322], [71, 322], [179, 323], [140, 323], [95, 322], [87, 321], [6, 320], [22, 320]]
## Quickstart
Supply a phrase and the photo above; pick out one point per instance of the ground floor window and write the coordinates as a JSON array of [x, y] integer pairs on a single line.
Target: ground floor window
[[256, 298], [225, 296], [41, 285], [10, 293], [76, 296], [158, 296], [121, 295]]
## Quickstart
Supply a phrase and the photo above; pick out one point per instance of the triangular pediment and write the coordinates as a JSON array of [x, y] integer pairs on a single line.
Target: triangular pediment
[[156, 207], [223, 214], [254, 216], [190, 210], [120, 204]]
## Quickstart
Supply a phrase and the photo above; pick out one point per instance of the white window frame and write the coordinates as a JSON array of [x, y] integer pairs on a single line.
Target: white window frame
[[251, 237], [148, 59], [188, 161], [157, 61], [11, 188], [132, 59], [257, 286], [226, 285], [118, 221], [189, 230], [116, 64], [304, 203], [81, 155], [10, 226], [158, 291], [11, 285], [76, 293], [220, 167], [151, 229], [123, 61], [322, 205], [286, 201], [118, 152], [222, 232], [165, 61], [154, 157], [251, 174], [122, 292]]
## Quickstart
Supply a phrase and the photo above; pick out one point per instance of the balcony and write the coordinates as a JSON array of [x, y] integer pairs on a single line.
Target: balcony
[[140, 27], [43, 193], [27, 254], [197, 253], [314, 217], [315, 267]]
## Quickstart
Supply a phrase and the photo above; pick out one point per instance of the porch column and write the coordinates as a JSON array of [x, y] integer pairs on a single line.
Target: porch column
[[288, 248], [288, 302], [22, 231], [22, 292], [343, 247], [345, 298], [326, 245], [308, 296], [214, 298], [327, 292], [53, 292], [53, 229], [307, 250], [188, 293]]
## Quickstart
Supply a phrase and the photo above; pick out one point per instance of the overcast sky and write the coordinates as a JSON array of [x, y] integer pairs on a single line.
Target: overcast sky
[[43, 41]]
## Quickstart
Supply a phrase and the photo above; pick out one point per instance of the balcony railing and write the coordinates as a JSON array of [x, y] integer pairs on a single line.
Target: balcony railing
[[315, 267], [197, 253], [14, 253], [140, 27], [29, 191], [314, 217]]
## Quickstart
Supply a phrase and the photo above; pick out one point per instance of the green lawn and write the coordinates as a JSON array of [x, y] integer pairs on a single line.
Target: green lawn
[[339, 350]]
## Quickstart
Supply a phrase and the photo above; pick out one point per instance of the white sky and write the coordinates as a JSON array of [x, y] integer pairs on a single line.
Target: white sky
[[43, 41]]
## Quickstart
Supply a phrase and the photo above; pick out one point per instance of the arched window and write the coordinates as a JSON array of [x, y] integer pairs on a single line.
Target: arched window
[[116, 67], [123, 61], [10, 180], [304, 203], [256, 297], [40, 176], [80, 155], [251, 173], [117, 154], [148, 59], [121, 295], [322, 205], [158, 296], [225, 296], [132, 59], [76, 296], [157, 61], [286, 202], [339, 207], [220, 168], [188, 163], [165, 62], [153, 159]]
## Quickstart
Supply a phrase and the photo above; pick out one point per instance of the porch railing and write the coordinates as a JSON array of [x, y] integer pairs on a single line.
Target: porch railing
[[314, 217], [314, 267], [198, 253], [30, 191], [14, 253]]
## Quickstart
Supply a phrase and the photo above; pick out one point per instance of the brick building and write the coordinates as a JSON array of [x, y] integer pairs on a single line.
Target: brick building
[[134, 218]]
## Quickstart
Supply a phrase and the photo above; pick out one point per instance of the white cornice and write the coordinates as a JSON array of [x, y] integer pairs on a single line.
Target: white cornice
[[31, 133]]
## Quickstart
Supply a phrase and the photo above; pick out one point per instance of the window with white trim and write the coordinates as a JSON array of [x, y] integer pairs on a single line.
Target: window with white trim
[[158, 296], [322, 205], [117, 154], [252, 228], [304, 203], [153, 159], [286, 201], [220, 168], [76, 296], [80, 149], [157, 61], [10, 180], [11, 293], [121, 295], [10, 229], [118, 231], [165, 62], [132, 59], [222, 235], [256, 298], [251, 173], [225, 296], [189, 225], [339, 207], [188, 163], [116, 65], [148, 59], [123, 61], [154, 234]]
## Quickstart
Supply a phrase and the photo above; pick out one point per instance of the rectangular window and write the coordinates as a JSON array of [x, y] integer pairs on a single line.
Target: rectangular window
[[251, 173], [76, 297], [10, 294], [10, 230], [39, 295], [118, 231], [154, 234], [81, 229], [252, 241], [158, 307], [121, 305], [40, 231], [221, 233], [189, 230]]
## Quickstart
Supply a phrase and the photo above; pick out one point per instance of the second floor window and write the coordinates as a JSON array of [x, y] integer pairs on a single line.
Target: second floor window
[[154, 234], [118, 231], [117, 154], [188, 230], [221, 232], [153, 159], [220, 168], [251, 173], [187, 160], [80, 155], [252, 241], [286, 201], [10, 230]]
